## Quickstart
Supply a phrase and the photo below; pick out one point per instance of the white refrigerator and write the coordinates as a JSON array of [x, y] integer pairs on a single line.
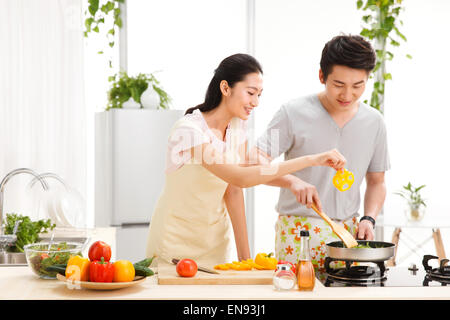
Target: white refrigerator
[[130, 155]]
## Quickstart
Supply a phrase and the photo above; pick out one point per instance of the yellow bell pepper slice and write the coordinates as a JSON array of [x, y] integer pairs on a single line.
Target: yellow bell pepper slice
[[256, 266], [343, 180], [222, 267]]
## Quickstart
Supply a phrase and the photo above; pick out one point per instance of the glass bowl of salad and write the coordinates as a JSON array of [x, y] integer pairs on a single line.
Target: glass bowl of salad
[[47, 259]]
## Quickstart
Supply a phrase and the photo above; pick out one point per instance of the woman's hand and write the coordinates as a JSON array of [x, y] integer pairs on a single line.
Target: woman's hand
[[331, 158]]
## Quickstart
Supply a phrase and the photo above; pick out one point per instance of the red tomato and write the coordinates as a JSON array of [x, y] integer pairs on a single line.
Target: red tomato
[[187, 268], [98, 250], [44, 256]]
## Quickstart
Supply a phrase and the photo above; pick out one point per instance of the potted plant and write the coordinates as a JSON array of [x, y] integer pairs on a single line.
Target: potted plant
[[416, 204], [141, 91]]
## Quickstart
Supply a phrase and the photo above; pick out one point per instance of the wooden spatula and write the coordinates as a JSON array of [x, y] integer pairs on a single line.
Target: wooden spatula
[[345, 236]]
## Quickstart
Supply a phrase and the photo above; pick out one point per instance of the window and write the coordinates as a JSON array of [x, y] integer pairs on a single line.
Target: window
[[183, 42]]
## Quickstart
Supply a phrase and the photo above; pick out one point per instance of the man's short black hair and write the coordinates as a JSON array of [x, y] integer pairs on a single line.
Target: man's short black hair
[[352, 51]]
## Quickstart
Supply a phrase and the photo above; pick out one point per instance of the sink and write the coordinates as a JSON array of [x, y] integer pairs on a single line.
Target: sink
[[11, 259]]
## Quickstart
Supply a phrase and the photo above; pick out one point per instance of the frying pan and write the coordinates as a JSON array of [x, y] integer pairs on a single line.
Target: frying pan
[[378, 251]]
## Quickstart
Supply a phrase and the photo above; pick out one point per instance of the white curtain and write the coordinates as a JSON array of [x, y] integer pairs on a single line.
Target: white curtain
[[42, 107]]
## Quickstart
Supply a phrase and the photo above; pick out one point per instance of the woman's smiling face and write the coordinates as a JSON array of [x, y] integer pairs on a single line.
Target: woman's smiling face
[[243, 96]]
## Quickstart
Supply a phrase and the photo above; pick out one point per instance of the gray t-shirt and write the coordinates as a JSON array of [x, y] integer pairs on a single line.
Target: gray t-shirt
[[303, 127]]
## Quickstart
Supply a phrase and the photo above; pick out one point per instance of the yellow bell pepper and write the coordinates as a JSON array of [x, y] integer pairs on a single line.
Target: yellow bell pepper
[[78, 268], [343, 180], [266, 261]]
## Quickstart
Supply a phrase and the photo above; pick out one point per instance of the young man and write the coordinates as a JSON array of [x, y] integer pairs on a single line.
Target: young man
[[333, 118]]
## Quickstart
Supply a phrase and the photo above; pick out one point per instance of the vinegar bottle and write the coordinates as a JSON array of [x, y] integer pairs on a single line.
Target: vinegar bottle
[[305, 270]]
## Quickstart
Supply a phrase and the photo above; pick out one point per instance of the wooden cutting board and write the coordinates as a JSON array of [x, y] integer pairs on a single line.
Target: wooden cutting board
[[167, 275]]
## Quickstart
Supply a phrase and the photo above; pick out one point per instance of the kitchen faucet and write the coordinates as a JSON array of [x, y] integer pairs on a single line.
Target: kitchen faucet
[[8, 177]]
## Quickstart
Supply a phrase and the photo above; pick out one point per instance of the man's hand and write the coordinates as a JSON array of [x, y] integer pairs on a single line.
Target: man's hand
[[365, 230], [305, 193]]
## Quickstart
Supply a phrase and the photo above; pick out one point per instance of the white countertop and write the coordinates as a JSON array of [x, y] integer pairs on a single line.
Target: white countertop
[[19, 283]]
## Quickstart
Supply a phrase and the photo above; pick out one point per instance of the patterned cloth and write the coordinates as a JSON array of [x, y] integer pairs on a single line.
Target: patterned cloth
[[287, 238]]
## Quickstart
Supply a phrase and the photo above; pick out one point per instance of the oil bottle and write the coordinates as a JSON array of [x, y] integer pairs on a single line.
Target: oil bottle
[[305, 269]]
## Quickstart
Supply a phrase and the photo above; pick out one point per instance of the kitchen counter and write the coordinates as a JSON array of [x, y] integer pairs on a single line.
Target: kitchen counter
[[19, 283]]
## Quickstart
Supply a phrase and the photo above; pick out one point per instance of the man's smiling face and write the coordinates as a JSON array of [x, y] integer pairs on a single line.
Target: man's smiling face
[[344, 86]]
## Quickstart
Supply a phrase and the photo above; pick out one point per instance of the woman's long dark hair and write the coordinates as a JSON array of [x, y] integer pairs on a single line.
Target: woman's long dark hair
[[232, 69]]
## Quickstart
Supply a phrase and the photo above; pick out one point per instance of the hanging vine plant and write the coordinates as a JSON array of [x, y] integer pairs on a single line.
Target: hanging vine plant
[[102, 12], [381, 25]]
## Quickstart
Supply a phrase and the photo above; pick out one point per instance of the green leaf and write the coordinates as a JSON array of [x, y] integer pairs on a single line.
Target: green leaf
[[107, 7], [395, 43], [401, 35], [389, 55], [88, 22], [409, 56], [118, 22], [419, 188], [359, 4], [367, 18], [387, 76], [367, 33], [93, 7], [388, 24]]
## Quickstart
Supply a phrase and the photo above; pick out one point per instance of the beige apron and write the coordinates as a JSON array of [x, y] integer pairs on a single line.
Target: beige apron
[[190, 219]]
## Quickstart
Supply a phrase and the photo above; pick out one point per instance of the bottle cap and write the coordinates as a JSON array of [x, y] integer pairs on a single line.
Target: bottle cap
[[283, 267], [304, 233]]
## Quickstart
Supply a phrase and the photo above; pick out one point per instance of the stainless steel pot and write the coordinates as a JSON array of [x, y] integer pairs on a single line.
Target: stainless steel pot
[[378, 251]]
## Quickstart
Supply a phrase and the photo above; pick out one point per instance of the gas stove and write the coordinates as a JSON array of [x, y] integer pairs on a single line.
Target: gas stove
[[376, 274]]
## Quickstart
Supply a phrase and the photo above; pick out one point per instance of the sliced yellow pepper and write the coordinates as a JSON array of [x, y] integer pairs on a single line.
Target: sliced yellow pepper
[[243, 265], [256, 266], [343, 180], [266, 261], [78, 268], [239, 266]]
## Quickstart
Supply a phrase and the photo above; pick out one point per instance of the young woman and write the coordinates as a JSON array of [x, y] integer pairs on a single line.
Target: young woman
[[207, 169]]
